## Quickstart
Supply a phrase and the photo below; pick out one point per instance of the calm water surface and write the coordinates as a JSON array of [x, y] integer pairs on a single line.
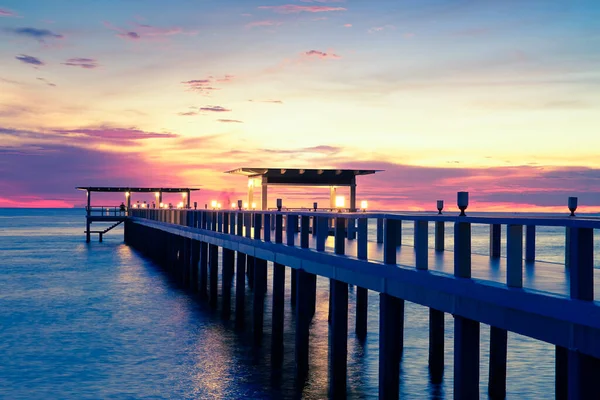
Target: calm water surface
[[97, 320]]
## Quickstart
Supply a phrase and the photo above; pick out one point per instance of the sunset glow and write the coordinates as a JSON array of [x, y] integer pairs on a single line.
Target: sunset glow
[[496, 98]]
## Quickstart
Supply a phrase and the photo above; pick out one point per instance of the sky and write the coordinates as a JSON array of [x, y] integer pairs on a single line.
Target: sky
[[498, 98]]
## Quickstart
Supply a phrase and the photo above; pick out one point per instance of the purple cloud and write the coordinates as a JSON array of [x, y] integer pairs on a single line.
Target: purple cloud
[[141, 31], [214, 109], [294, 9], [234, 121], [38, 34], [6, 13], [117, 134], [47, 82], [321, 55], [30, 60], [206, 85], [86, 63]]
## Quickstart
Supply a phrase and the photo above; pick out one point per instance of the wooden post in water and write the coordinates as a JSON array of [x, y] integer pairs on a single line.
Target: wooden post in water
[[583, 370], [362, 298], [249, 259], [240, 278], [310, 280], [291, 226], [278, 301], [338, 337], [466, 331], [260, 285], [203, 279], [304, 308], [228, 272], [213, 259], [391, 323], [440, 235]]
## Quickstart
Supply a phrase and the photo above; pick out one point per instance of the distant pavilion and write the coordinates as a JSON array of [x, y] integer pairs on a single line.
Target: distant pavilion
[[302, 177]]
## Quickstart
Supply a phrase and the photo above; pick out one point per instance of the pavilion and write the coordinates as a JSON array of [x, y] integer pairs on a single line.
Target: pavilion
[[302, 177]]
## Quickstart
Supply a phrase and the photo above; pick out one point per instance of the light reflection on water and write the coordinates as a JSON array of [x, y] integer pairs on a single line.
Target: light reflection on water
[[98, 321]]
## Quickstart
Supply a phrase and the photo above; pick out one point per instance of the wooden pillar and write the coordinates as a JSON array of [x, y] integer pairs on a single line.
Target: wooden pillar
[[362, 298], [353, 195], [436, 345], [195, 260], [291, 226], [203, 278], [263, 199], [260, 286], [379, 230], [88, 211], [338, 339], [240, 278], [440, 235], [530, 243], [228, 272], [213, 255], [278, 301], [495, 238], [310, 280], [390, 348], [422, 244], [583, 370], [497, 375], [561, 378], [466, 331]]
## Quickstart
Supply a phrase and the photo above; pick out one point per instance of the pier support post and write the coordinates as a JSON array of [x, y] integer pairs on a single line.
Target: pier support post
[[203, 278], [390, 348], [561, 373], [291, 227], [195, 260], [583, 370], [466, 331], [436, 345], [228, 272], [302, 325], [466, 358], [213, 251], [260, 286], [310, 281], [278, 301], [362, 298], [497, 375], [240, 279], [338, 339], [495, 236]]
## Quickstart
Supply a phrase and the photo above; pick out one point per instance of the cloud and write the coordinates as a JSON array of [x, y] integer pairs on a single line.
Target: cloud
[[47, 82], [145, 31], [263, 23], [214, 109], [382, 28], [206, 85], [321, 55], [294, 9], [30, 60], [347, 25], [7, 13], [116, 134], [86, 63], [235, 121], [38, 34], [188, 113], [267, 101]]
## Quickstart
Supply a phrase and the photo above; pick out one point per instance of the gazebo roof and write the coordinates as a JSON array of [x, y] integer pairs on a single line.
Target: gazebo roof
[[297, 176]]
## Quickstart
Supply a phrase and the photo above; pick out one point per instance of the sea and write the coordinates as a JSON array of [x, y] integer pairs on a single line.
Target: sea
[[99, 321]]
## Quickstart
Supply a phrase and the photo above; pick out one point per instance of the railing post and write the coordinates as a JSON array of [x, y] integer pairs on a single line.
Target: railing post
[[322, 232], [466, 331], [203, 280], [422, 244], [440, 235], [305, 304], [495, 237], [379, 230], [249, 259], [530, 243], [389, 241], [514, 256], [362, 298]]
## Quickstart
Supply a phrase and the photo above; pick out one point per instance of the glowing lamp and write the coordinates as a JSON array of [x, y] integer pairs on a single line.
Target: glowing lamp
[[127, 194], [339, 202], [246, 206], [233, 206], [219, 206], [184, 195], [180, 205], [161, 205], [156, 194], [364, 205], [213, 204], [254, 206], [250, 183], [144, 205]]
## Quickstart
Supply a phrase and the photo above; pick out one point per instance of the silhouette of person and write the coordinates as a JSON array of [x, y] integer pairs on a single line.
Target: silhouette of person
[[122, 207]]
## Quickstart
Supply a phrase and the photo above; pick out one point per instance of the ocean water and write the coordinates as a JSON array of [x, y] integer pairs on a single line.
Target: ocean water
[[97, 320]]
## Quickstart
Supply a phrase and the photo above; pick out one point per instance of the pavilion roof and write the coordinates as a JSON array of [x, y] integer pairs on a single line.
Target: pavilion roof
[[304, 176]]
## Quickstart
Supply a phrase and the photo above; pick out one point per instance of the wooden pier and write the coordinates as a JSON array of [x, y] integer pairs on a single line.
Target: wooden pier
[[545, 301]]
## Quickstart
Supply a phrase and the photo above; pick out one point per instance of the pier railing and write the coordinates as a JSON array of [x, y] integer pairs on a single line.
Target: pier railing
[[105, 211], [366, 250]]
